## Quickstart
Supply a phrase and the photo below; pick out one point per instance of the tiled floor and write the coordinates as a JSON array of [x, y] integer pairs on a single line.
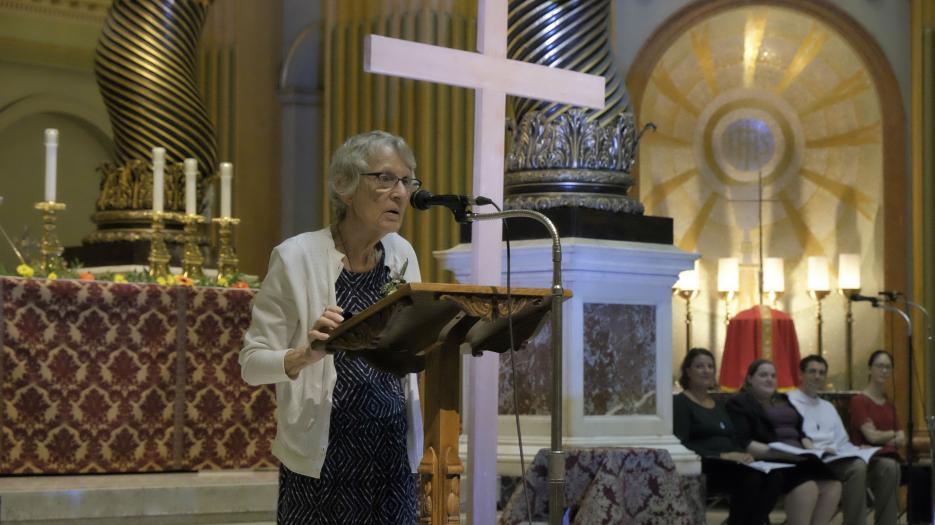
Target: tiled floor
[[189, 498], [219, 498]]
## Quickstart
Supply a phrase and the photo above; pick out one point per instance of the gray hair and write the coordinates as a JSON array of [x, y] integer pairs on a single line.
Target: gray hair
[[353, 158]]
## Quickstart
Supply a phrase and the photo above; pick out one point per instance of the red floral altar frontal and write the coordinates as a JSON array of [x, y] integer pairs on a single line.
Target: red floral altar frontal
[[106, 377]]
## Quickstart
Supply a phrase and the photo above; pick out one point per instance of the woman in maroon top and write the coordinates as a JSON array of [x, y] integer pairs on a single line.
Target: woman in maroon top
[[873, 416]]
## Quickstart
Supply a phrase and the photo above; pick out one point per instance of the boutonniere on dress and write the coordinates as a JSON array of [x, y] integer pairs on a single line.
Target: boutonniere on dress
[[396, 280]]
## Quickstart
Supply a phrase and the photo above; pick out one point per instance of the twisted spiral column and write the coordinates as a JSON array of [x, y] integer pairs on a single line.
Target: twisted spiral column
[[572, 35], [145, 66], [562, 156]]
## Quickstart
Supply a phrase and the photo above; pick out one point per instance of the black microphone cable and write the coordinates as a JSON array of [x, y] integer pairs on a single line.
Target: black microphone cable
[[509, 323]]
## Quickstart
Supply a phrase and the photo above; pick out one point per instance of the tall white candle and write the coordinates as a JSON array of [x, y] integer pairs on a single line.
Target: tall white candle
[[51, 163], [159, 166], [191, 174], [226, 175]]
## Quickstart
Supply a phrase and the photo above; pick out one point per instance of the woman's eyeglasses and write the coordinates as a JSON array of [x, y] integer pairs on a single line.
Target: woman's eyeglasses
[[386, 181]]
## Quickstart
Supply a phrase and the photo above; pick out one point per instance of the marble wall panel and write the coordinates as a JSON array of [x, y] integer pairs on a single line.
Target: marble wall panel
[[533, 364], [619, 359]]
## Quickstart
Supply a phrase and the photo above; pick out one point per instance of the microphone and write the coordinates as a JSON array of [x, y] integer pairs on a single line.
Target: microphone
[[424, 199], [875, 302], [890, 295]]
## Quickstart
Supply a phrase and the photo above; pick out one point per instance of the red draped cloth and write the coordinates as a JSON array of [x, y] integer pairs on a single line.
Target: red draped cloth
[[760, 333]]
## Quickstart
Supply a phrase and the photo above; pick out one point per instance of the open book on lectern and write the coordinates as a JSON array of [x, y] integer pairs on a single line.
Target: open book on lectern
[[398, 332]]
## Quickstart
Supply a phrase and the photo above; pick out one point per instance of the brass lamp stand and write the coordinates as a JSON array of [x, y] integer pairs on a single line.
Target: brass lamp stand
[[687, 295], [50, 251], [773, 297], [818, 295], [728, 298], [849, 334]]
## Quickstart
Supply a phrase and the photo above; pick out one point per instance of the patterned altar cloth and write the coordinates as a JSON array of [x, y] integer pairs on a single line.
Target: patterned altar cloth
[[105, 377], [612, 486]]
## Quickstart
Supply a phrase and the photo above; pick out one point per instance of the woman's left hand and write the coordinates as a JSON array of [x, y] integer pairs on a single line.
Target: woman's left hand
[[899, 439]]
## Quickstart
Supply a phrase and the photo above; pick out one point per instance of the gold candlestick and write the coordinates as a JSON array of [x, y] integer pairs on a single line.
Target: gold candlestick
[[849, 334], [158, 253], [50, 258], [227, 259], [818, 295], [192, 260]]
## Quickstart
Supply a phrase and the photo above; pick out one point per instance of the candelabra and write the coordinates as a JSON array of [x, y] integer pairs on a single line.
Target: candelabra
[[192, 260], [158, 253], [849, 334], [818, 295], [50, 251], [227, 259]]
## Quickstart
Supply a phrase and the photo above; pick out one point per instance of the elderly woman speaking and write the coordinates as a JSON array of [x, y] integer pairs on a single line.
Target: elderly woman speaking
[[349, 437]]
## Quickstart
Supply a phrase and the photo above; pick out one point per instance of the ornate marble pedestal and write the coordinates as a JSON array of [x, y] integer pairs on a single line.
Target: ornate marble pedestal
[[617, 348]]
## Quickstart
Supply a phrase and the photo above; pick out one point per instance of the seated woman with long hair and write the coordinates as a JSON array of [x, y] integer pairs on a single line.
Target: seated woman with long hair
[[873, 415], [702, 424], [761, 416]]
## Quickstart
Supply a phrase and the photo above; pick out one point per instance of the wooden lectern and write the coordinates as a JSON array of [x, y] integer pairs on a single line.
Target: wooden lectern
[[428, 327]]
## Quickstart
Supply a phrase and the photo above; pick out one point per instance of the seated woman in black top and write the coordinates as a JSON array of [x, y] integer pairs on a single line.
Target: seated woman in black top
[[702, 424], [761, 416]]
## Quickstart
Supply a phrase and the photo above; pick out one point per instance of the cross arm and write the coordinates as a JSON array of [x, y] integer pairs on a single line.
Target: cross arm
[[392, 56]]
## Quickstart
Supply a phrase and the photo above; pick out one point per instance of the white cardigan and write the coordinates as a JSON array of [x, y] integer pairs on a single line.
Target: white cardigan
[[298, 287]]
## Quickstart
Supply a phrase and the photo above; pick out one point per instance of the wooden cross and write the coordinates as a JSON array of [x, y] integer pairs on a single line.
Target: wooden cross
[[493, 77]]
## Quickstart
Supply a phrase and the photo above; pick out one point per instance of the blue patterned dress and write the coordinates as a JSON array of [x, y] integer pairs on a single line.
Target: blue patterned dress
[[366, 478]]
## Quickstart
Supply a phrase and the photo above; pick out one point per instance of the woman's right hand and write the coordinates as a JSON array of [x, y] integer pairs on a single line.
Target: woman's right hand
[[301, 356], [739, 457], [323, 326]]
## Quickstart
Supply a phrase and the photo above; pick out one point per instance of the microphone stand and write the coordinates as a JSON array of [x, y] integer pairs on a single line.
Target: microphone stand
[[928, 350], [909, 416], [556, 454]]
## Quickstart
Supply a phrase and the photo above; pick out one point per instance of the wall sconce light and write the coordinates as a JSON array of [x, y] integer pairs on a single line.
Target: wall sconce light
[[688, 288], [774, 279], [728, 282], [849, 284]]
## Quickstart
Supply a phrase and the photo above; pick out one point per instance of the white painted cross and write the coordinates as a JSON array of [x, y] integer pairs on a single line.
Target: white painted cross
[[493, 77]]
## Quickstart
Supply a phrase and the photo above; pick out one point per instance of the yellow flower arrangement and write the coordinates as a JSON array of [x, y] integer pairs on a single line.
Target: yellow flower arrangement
[[223, 282], [52, 276], [24, 270], [120, 278]]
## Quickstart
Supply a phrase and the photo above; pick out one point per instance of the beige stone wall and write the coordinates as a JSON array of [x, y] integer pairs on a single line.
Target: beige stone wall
[[46, 63]]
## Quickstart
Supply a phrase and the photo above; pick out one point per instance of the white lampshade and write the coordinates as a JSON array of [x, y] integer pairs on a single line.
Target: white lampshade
[[818, 280], [728, 274], [774, 279], [688, 280], [849, 271]]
